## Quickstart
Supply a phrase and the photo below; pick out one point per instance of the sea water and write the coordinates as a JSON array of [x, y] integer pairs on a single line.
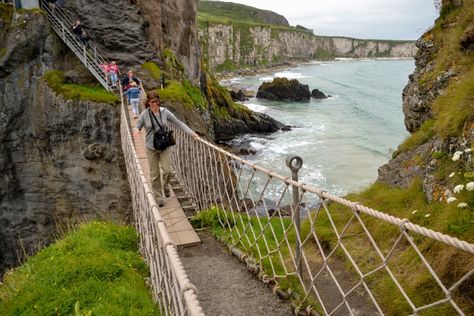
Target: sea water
[[344, 139]]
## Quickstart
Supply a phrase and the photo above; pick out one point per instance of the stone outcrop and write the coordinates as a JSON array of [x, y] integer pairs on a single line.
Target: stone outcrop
[[117, 28], [258, 45], [272, 18], [417, 98], [132, 34], [427, 160], [244, 123], [317, 94], [282, 89], [60, 160]]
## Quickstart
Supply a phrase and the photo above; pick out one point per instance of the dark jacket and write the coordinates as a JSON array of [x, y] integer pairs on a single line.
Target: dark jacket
[[126, 81]]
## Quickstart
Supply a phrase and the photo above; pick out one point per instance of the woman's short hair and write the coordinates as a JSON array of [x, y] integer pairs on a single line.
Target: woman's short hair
[[151, 95]]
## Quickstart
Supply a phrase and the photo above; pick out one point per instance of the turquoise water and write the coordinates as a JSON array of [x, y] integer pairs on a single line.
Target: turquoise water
[[343, 140]]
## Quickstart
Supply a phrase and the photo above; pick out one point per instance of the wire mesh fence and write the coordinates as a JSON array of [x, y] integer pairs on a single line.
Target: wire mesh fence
[[340, 258]]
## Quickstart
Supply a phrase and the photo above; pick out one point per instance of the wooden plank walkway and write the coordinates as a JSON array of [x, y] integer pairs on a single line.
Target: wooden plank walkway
[[179, 228]]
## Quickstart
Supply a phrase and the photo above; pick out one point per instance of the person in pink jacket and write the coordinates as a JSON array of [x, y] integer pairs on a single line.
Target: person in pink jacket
[[113, 71]]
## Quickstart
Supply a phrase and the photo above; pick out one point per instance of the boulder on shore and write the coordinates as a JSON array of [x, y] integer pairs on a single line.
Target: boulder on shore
[[282, 89], [238, 95], [317, 94]]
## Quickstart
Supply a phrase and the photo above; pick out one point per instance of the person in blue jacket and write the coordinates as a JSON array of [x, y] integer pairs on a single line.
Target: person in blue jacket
[[133, 94]]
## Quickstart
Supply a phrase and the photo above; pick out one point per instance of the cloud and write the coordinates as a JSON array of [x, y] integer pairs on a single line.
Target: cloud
[[401, 19]]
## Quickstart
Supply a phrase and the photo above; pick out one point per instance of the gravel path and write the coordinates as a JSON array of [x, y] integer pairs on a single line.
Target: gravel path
[[225, 287]]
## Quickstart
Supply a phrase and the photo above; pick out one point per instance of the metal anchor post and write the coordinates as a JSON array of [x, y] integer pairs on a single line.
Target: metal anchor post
[[295, 163]]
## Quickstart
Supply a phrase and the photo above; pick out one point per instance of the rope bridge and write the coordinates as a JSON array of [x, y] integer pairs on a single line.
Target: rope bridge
[[315, 247]]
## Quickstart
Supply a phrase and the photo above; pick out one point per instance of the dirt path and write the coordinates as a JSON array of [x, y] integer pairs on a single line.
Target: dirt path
[[225, 287]]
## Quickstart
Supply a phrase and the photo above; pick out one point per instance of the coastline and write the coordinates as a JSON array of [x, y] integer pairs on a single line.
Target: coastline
[[267, 70]]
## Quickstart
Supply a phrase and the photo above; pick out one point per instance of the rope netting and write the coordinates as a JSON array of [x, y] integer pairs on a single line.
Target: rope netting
[[343, 258]]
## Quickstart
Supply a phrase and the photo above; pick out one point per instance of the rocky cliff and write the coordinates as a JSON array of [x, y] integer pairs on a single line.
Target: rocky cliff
[[226, 46], [236, 36], [60, 160], [136, 33], [438, 105]]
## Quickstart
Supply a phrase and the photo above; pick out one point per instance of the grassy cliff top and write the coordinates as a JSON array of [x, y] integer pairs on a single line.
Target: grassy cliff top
[[216, 12], [95, 270]]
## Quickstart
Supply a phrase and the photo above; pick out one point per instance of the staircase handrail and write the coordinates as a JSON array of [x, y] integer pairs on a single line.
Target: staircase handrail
[[90, 57]]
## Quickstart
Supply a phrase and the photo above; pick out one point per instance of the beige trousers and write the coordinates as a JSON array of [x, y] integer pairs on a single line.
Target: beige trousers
[[157, 159]]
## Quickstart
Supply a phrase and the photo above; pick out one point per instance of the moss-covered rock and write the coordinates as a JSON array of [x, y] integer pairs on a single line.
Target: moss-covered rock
[[282, 89]]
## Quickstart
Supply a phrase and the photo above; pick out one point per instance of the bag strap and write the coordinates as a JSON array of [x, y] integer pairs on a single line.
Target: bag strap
[[150, 112]]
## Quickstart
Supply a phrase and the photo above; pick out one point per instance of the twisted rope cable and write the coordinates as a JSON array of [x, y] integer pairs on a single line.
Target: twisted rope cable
[[451, 241]]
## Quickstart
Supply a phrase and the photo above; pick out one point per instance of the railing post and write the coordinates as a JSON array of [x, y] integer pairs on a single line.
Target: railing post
[[85, 56], [63, 31], [295, 163]]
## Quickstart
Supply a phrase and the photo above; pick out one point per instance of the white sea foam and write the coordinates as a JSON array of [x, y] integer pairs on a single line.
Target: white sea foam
[[344, 58], [290, 75], [256, 107], [268, 78], [258, 145]]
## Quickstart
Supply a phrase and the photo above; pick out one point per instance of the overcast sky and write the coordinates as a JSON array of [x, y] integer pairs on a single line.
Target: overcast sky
[[370, 19]]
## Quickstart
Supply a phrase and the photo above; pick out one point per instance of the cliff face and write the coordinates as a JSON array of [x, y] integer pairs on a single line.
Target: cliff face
[[253, 46], [172, 25], [132, 34], [439, 108], [60, 160]]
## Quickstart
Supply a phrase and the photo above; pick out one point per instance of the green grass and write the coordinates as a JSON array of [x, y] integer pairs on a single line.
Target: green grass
[[214, 12], [95, 270], [323, 54], [185, 94], [226, 65], [418, 138], [456, 107], [153, 69], [195, 94], [55, 80]]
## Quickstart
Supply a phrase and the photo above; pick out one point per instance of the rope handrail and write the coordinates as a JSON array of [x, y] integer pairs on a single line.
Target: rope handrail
[[88, 54], [255, 211], [404, 223]]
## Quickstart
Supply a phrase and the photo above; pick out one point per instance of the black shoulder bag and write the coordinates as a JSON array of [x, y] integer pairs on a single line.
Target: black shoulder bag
[[162, 138]]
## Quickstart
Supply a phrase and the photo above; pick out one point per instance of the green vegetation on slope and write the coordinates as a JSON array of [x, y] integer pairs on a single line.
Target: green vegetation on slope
[[55, 80], [95, 270], [6, 12], [215, 12], [455, 107], [153, 70], [186, 94]]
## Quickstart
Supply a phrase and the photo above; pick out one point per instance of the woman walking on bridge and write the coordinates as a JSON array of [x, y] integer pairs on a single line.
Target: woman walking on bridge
[[158, 158]]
